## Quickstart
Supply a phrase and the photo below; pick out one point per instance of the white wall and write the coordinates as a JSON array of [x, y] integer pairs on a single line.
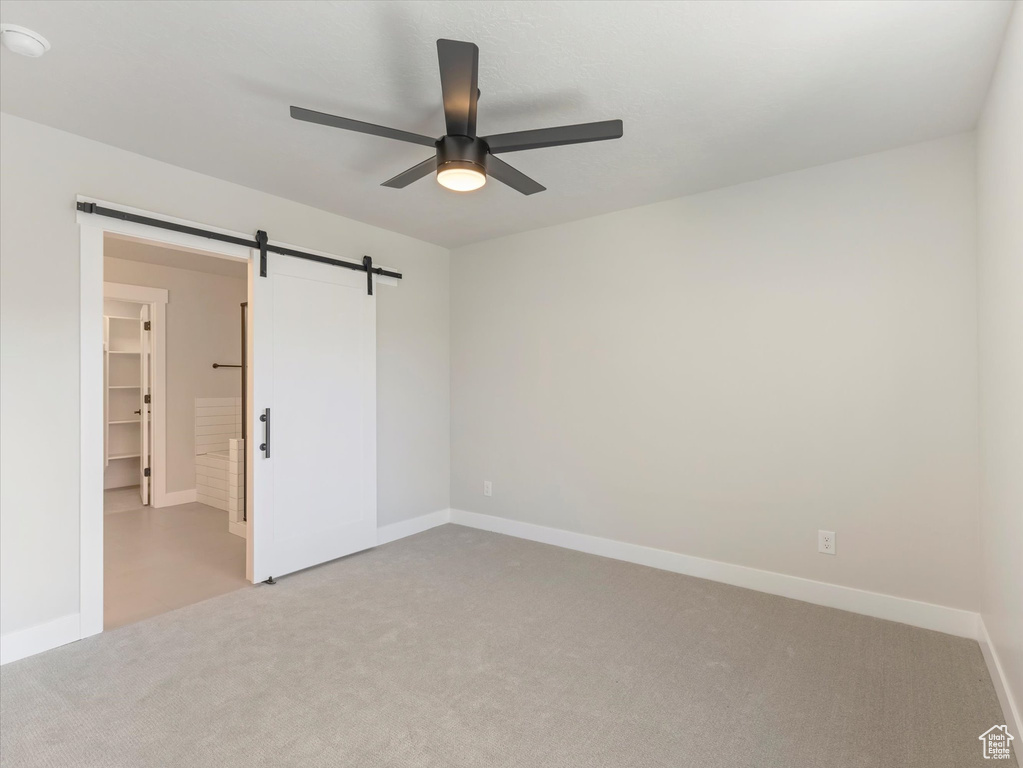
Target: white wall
[[203, 327], [1000, 220], [724, 374], [41, 171]]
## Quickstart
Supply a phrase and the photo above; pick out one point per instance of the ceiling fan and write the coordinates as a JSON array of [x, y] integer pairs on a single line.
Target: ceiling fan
[[463, 160]]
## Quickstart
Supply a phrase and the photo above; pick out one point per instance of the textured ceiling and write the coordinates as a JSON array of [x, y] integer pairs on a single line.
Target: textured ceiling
[[712, 93], [132, 249]]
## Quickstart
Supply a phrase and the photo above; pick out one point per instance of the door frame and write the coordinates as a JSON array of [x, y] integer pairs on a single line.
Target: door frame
[[156, 299], [92, 228]]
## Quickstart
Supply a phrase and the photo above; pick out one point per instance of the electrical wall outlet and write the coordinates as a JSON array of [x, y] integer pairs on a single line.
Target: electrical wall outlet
[[826, 542], [488, 488]]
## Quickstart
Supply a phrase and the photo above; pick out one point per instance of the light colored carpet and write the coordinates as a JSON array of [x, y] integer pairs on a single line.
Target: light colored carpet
[[458, 647]]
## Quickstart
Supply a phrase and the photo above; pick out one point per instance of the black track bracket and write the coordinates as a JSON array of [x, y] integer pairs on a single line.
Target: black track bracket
[[261, 240], [367, 262]]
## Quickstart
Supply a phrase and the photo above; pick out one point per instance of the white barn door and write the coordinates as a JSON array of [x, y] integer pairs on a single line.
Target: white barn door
[[314, 381]]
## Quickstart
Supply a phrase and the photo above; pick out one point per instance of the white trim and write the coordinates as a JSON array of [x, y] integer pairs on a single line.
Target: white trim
[[952, 621], [403, 528], [42, 637], [146, 232], [157, 299], [1010, 711], [158, 383], [138, 294], [92, 229], [249, 419], [173, 498], [91, 429]]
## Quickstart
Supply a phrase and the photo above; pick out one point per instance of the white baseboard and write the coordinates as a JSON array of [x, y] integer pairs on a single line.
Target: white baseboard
[[404, 528], [952, 621], [238, 529], [1010, 710], [173, 498], [67, 629], [42, 637]]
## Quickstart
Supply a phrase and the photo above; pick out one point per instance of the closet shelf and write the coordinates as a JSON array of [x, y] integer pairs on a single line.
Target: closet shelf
[[122, 352], [124, 421], [125, 386], [122, 317], [126, 456]]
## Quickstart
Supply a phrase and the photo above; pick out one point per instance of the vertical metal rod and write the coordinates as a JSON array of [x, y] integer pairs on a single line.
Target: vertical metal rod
[[245, 411]]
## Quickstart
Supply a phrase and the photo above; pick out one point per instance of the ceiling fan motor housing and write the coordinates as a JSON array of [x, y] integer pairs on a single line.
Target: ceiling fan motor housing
[[462, 152]]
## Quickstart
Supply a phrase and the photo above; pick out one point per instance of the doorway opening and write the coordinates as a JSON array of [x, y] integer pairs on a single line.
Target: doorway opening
[[311, 342], [174, 388]]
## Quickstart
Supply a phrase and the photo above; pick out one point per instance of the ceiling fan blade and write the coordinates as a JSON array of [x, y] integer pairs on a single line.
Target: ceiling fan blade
[[347, 124], [415, 173], [515, 179], [555, 137], [459, 73]]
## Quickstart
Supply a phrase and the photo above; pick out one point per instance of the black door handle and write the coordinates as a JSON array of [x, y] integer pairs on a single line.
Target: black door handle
[[265, 447]]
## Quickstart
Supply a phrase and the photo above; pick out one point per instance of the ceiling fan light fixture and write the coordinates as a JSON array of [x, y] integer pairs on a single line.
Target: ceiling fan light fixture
[[463, 160], [461, 176]]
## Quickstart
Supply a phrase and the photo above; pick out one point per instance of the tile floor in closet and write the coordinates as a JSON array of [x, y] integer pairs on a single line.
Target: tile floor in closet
[[157, 560]]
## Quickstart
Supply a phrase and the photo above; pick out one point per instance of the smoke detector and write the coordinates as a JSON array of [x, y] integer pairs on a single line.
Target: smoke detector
[[23, 41]]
